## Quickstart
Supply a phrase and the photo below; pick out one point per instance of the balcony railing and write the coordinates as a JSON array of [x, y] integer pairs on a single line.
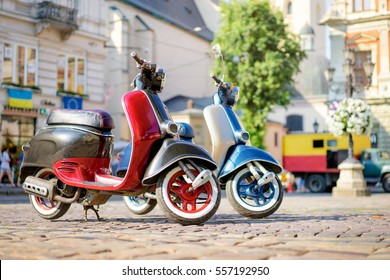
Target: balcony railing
[[61, 17]]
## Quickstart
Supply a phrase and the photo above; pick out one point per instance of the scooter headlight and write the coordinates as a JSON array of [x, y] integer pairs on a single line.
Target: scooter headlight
[[171, 128], [242, 136], [245, 135]]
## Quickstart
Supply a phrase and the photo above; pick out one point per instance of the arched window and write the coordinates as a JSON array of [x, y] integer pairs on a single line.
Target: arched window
[[294, 123]]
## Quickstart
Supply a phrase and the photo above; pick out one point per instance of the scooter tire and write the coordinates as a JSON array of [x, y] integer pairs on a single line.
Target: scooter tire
[[183, 206], [139, 207], [250, 203], [46, 208]]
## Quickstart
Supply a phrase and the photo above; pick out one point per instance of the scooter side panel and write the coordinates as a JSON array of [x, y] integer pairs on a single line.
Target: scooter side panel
[[222, 136], [54, 143], [80, 171], [145, 131], [171, 152], [241, 155]]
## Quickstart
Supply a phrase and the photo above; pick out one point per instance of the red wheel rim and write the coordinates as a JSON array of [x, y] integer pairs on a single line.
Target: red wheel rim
[[183, 199], [45, 204]]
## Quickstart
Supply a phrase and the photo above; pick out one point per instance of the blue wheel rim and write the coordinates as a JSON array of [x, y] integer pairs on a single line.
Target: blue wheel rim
[[246, 190]]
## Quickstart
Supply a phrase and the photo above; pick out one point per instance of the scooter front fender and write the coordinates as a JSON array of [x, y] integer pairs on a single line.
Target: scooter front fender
[[241, 155], [171, 152]]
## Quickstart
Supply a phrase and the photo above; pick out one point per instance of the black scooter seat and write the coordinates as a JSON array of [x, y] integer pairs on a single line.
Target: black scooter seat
[[98, 119]]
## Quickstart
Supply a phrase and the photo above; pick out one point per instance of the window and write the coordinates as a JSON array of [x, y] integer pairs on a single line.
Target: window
[[289, 8], [294, 123], [276, 137], [71, 74], [361, 5], [332, 143], [367, 156], [360, 59], [384, 155], [318, 143], [20, 65]]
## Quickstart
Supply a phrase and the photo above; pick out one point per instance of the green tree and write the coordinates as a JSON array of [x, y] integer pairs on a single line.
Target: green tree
[[261, 56]]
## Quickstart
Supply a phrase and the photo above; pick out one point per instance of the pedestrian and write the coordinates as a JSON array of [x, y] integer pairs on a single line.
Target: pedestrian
[[301, 184], [5, 166], [290, 182]]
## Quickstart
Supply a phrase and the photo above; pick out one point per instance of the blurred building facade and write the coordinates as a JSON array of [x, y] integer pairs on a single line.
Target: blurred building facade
[[173, 34], [51, 56], [76, 54], [326, 29], [308, 104], [363, 28], [310, 88]]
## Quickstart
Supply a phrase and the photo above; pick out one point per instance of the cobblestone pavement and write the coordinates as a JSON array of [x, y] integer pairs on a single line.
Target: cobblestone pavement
[[306, 226]]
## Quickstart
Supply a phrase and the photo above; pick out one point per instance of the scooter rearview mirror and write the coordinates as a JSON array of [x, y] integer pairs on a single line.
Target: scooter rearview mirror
[[217, 50], [218, 54]]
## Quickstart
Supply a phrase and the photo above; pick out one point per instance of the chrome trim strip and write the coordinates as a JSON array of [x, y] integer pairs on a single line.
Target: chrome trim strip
[[76, 127]]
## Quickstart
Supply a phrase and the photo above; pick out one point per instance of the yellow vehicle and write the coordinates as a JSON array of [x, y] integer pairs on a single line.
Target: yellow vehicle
[[315, 157]]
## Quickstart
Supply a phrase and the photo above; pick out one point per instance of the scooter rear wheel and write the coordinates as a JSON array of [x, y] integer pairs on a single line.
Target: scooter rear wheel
[[183, 206], [251, 202], [139, 205], [47, 208]]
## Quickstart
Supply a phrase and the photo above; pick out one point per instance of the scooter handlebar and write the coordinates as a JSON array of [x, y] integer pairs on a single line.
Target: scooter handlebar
[[218, 80], [137, 58]]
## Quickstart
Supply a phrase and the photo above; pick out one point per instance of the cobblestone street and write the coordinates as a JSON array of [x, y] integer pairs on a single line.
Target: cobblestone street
[[307, 226]]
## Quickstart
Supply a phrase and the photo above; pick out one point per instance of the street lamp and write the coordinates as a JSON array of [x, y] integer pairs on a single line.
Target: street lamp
[[315, 126], [350, 84], [368, 67], [348, 71], [351, 181], [329, 73]]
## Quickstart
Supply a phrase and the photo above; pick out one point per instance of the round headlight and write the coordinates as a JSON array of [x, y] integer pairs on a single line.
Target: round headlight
[[172, 128]]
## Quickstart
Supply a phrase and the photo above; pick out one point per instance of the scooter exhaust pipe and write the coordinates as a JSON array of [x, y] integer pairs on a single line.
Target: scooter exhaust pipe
[[149, 195], [45, 189], [39, 187]]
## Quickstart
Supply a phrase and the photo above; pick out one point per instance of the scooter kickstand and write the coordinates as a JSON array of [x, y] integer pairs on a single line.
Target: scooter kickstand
[[86, 208]]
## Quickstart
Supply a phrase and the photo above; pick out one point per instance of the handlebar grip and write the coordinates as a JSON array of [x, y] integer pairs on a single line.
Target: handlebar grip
[[218, 80], [136, 58]]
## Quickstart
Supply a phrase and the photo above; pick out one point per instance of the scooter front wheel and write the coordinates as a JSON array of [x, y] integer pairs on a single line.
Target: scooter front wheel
[[250, 201], [139, 205], [182, 205], [47, 208]]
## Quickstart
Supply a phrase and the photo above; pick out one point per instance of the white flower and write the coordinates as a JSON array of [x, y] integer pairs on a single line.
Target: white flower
[[351, 115]]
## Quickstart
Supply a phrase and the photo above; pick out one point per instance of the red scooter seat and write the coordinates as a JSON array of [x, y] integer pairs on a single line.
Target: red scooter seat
[[98, 119]]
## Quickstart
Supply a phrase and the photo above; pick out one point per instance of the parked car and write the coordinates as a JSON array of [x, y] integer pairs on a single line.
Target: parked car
[[376, 167]]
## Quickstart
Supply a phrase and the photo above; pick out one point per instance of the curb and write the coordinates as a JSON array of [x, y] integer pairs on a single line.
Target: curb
[[8, 190]]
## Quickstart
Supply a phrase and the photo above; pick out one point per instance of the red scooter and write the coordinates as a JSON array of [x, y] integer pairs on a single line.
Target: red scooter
[[68, 160]]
